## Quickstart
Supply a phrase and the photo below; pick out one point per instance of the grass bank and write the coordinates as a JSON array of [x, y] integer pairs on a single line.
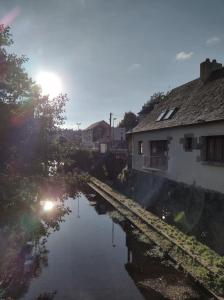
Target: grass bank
[[205, 265]]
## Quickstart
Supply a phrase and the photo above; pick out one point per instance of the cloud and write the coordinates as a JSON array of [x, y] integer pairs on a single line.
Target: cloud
[[184, 55], [134, 67], [213, 41]]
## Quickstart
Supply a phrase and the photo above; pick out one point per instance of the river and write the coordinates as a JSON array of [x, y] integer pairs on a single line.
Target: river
[[95, 254]]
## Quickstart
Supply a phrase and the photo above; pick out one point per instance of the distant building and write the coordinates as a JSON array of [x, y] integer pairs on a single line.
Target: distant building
[[118, 137], [182, 138], [71, 135], [100, 137], [96, 134]]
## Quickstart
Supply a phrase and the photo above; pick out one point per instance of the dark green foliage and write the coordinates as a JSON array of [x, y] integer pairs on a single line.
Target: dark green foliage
[[28, 118], [103, 166], [129, 121], [154, 99], [46, 296], [24, 226]]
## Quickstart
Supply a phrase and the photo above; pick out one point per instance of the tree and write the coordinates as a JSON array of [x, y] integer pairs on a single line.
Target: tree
[[154, 99], [15, 84], [29, 118], [129, 121]]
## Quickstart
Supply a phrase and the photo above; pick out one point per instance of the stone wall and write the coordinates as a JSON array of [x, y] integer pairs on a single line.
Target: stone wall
[[194, 210]]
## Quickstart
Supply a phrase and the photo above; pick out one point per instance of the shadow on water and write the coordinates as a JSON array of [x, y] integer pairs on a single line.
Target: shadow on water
[[193, 210], [155, 275], [83, 249]]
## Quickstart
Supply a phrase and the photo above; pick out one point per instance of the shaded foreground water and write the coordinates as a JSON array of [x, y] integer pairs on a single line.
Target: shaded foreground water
[[95, 254]]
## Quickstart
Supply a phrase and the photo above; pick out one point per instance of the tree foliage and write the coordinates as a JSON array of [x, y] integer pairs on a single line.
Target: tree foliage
[[154, 99], [29, 119], [129, 121]]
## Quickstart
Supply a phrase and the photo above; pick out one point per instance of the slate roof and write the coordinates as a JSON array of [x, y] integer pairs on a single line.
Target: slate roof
[[102, 123], [196, 102]]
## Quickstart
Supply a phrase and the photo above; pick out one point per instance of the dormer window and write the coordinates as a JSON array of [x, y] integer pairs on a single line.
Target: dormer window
[[166, 114], [160, 117], [169, 113]]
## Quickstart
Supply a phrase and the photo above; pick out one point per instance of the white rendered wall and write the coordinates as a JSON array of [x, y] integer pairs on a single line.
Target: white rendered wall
[[183, 166]]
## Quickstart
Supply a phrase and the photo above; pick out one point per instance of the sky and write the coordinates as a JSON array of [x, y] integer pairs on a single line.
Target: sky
[[112, 55]]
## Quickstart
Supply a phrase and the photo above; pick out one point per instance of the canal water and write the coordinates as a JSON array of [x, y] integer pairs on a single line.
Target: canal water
[[95, 255]]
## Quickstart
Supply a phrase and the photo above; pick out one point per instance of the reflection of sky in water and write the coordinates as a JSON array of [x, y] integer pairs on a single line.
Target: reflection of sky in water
[[83, 264]]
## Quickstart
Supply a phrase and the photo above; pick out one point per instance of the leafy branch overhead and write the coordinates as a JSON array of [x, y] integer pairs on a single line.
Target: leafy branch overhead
[[29, 117]]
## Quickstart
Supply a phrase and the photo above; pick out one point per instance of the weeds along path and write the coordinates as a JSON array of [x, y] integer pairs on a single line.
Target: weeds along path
[[198, 260]]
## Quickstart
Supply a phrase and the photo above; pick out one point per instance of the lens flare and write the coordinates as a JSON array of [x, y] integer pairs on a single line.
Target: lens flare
[[48, 205], [50, 83], [8, 19]]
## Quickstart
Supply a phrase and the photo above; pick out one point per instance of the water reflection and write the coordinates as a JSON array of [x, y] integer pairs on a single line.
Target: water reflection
[[48, 205], [194, 211], [25, 225], [153, 273], [96, 256], [78, 210]]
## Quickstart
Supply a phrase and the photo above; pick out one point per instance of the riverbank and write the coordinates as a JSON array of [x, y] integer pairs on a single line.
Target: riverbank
[[193, 210], [201, 262], [85, 249]]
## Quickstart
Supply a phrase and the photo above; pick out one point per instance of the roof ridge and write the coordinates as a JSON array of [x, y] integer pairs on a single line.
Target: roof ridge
[[193, 99]]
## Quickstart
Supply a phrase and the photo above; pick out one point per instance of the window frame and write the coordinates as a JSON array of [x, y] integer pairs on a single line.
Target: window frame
[[166, 114], [160, 155], [170, 112], [188, 147], [213, 149], [140, 148], [161, 115]]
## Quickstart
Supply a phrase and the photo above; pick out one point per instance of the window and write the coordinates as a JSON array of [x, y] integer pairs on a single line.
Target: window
[[188, 143], [215, 148], [166, 114], [158, 154], [169, 114], [140, 147], [160, 117]]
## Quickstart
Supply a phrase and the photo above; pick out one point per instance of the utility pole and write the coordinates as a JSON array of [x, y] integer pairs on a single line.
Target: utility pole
[[110, 128], [113, 128], [78, 124]]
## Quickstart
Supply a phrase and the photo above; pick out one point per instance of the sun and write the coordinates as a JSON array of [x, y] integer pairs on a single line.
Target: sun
[[48, 205], [50, 83]]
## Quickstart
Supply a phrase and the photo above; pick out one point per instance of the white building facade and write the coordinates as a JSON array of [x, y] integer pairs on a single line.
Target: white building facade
[[182, 138], [181, 162]]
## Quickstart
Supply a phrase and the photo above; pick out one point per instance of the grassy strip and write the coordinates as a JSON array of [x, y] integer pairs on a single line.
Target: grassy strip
[[201, 262]]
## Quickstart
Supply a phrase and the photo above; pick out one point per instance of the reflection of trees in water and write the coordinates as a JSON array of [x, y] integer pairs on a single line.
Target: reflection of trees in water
[[47, 296], [28, 264], [152, 271], [24, 229], [194, 211]]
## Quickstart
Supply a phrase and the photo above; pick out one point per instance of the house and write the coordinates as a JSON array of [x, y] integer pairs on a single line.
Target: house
[[182, 138], [96, 134], [100, 136]]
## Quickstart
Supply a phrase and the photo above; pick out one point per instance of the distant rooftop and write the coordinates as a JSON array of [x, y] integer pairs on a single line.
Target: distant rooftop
[[103, 123]]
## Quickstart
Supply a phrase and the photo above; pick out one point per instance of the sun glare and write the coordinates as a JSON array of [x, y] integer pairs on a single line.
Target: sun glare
[[48, 205], [50, 83]]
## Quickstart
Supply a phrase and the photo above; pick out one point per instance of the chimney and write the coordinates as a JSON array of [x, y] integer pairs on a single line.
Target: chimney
[[207, 67]]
